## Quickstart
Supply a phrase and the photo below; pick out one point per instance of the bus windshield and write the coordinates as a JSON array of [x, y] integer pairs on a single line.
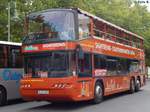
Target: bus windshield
[[54, 64], [51, 25]]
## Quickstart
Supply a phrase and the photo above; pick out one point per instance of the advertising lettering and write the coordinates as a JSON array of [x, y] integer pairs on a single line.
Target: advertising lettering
[[114, 49], [8, 74], [100, 72], [53, 45]]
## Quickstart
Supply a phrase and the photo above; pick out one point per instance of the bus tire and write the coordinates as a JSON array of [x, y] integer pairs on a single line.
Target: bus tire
[[138, 85], [132, 86], [98, 93], [3, 96]]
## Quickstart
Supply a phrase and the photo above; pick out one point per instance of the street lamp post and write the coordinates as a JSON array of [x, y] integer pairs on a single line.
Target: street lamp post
[[15, 18], [8, 21]]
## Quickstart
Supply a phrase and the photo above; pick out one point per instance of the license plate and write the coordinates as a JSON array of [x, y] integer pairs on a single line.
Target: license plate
[[43, 92]]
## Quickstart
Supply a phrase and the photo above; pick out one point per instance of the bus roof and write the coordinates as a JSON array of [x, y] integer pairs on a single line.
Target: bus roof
[[111, 24], [10, 43]]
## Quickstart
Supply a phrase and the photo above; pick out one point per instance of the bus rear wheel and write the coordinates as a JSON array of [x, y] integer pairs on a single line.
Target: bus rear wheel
[[132, 86], [98, 93], [3, 98], [138, 85]]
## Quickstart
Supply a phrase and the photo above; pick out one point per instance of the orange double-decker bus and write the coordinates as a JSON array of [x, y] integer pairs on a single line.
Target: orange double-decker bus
[[71, 55]]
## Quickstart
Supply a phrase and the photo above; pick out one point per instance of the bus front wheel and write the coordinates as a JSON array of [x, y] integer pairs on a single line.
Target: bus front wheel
[[98, 93], [2, 96]]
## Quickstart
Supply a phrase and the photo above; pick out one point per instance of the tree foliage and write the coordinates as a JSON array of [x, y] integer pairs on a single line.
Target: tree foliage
[[124, 13]]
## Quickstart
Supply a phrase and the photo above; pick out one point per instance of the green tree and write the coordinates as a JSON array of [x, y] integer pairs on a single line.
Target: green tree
[[124, 13]]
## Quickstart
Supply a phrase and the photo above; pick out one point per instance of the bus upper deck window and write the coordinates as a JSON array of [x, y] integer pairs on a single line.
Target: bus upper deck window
[[58, 24], [84, 23]]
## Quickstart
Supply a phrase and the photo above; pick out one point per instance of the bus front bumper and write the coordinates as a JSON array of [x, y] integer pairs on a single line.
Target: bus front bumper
[[48, 95], [49, 89]]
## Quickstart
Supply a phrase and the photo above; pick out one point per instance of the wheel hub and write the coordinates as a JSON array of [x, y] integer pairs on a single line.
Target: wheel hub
[[98, 91]]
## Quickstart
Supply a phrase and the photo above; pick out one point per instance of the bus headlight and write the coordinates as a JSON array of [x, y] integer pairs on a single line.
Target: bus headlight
[[25, 86], [62, 85]]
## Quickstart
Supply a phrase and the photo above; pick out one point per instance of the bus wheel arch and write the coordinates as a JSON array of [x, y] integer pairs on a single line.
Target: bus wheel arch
[[98, 91], [3, 95]]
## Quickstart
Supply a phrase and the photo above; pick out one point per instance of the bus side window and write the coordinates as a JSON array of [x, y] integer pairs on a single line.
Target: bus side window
[[85, 66], [134, 66], [3, 57], [84, 26], [112, 66], [15, 58], [99, 62], [123, 66]]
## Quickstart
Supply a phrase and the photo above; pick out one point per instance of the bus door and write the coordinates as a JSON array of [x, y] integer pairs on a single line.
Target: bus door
[[85, 75]]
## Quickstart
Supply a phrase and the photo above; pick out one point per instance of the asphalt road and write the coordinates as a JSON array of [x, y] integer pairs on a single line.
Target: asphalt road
[[137, 102]]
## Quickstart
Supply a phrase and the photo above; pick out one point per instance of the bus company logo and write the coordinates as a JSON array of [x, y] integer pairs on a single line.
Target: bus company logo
[[53, 45], [31, 48]]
